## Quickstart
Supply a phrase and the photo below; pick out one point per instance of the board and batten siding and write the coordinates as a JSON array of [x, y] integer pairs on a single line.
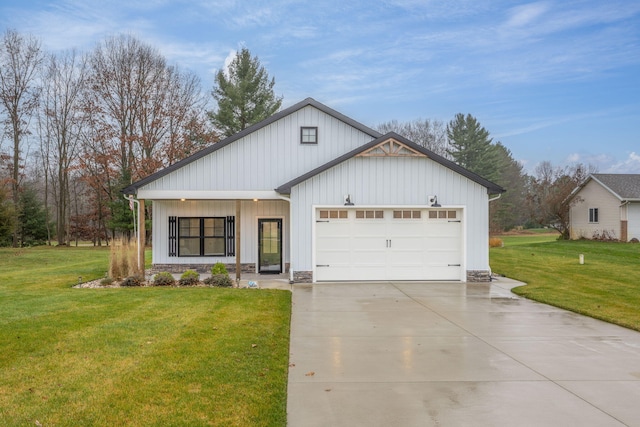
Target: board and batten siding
[[268, 157], [397, 181], [594, 195], [250, 212]]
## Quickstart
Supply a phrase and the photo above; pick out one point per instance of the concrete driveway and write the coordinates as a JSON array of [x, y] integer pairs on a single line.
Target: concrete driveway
[[452, 354]]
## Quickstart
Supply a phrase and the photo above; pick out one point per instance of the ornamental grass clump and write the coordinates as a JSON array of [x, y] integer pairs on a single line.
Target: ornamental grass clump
[[164, 279], [123, 260], [189, 278], [496, 242]]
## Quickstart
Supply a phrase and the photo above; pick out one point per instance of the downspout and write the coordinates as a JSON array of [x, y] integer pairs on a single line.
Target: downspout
[[495, 198]]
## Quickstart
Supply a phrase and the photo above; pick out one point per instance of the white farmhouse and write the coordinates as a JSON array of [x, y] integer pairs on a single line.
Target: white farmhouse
[[317, 195]]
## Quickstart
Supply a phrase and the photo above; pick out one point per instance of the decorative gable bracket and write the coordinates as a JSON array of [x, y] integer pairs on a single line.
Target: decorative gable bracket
[[391, 148]]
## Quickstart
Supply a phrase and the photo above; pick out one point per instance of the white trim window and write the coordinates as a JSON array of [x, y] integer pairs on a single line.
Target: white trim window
[[593, 215]]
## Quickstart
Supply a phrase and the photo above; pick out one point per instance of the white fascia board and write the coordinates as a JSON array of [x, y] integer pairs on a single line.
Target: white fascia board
[[207, 195]]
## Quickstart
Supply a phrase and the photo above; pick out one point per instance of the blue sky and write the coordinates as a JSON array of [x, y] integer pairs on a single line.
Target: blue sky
[[552, 80]]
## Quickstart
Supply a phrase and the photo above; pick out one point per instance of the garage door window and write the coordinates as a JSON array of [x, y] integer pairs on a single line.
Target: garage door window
[[369, 214], [407, 214], [334, 214], [443, 214]]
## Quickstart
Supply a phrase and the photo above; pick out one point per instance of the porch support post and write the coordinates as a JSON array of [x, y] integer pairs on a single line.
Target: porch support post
[[238, 248], [142, 235]]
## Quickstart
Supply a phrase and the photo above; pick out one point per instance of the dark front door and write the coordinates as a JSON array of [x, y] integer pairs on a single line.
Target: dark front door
[[270, 246]]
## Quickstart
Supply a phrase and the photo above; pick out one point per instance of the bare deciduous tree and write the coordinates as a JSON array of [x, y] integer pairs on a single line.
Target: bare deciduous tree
[[142, 115], [549, 190], [431, 134], [61, 123], [20, 62]]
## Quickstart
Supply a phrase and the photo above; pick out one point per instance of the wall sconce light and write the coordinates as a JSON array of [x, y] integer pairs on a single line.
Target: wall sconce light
[[255, 200], [347, 200], [433, 201], [182, 200]]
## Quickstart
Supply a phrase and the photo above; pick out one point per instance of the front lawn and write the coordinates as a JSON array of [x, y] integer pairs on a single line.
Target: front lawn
[[138, 357], [606, 286]]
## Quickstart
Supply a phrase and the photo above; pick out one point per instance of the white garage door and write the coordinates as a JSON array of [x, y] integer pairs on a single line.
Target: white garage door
[[388, 244]]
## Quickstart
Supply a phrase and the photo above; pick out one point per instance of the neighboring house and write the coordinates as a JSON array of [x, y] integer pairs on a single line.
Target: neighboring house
[[606, 206], [316, 194]]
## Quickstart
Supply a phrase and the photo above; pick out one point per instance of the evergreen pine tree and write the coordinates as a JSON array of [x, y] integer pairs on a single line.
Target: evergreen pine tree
[[244, 94], [32, 219], [471, 147]]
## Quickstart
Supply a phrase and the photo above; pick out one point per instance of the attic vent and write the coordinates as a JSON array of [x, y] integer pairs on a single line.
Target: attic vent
[[391, 148]]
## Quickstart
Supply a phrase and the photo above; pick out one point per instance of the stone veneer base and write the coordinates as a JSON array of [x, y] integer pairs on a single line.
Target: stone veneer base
[[478, 276], [302, 276], [298, 276], [249, 268]]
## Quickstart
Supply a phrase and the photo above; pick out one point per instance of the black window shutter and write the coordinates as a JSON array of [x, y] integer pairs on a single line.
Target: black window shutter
[[173, 236], [231, 236]]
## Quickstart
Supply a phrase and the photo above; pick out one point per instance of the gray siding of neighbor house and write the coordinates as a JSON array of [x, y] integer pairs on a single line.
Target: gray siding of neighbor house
[[594, 195], [250, 212], [390, 181], [266, 158]]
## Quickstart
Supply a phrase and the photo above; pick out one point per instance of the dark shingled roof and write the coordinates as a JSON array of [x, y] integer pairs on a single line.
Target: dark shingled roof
[[491, 187], [624, 186]]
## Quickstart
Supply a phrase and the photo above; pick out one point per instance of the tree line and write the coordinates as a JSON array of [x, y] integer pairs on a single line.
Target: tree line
[[79, 127], [530, 201]]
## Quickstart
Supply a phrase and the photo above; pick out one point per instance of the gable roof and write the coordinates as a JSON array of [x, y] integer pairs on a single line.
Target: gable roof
[[492, 188], [623, 186], [131, 189]]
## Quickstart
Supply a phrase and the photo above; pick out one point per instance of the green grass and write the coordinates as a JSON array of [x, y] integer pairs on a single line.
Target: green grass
[[525, 239], [142, 356], [606, 286]]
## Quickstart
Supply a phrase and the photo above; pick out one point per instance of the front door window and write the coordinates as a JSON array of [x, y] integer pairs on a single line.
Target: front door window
[[270, 246]]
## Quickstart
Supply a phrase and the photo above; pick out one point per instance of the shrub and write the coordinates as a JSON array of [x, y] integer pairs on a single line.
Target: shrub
[[107, 281], [189, 278], [605, 236], [164, 279], [219, 268], [495, 242], [132, 281], [219, 280]]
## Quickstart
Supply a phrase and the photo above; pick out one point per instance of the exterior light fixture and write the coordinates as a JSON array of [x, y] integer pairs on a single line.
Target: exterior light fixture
[[347, 200], [433, 201], [255, 200], [182, 200]]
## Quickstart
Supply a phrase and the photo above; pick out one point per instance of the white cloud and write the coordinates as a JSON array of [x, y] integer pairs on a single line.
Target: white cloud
[[629, 165], [606, 162], [524, 15]]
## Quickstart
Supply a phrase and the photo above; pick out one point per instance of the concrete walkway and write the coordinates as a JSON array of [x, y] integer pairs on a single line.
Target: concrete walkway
[[451, 354]]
